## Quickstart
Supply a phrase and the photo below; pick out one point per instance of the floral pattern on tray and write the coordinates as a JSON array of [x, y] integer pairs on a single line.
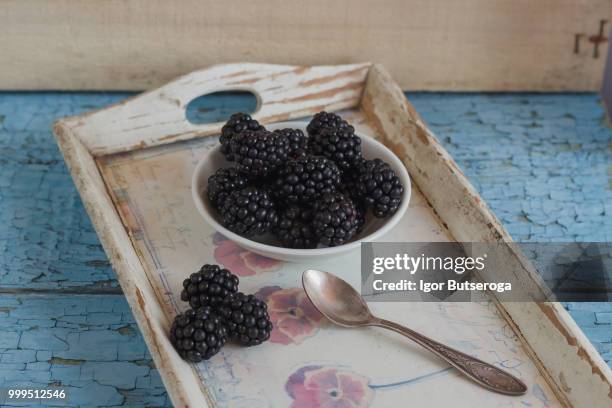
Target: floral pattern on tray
[[240, 261], [328, 387], [293, 315]]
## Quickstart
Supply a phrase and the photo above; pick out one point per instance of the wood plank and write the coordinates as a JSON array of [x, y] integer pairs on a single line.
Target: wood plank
[[499, 45], [87, 345]]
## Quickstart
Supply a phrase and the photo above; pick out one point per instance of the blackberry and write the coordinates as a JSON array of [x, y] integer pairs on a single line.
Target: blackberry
[[208, 286], [246, 318], [198, 334], [294, 229], [305, 179], [259, 153], [379, 187], [350, 189], [336, 219], [248, 212], [223, 182], [325, 120], [237, 123], [361, 215], [298, 142], [338, 144], [349, 182]]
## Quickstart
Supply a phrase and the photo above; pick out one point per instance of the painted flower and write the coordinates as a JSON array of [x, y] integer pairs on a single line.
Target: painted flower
[[328, 387], [241, 261], [293, 315]]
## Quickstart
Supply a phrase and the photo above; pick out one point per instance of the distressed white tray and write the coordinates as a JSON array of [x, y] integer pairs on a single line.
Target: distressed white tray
[[132, 164]]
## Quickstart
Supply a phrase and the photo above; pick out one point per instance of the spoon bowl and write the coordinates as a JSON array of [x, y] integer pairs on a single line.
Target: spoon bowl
[[336, 299]]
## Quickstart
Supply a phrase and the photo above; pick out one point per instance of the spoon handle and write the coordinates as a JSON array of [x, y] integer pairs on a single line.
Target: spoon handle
[[483, 373]]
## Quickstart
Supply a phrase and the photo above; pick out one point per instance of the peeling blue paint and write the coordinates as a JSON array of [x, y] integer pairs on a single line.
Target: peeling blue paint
[[99, 362], [541, 161]]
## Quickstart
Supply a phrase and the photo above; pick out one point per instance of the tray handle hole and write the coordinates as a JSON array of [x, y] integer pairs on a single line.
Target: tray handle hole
[[219, 106]]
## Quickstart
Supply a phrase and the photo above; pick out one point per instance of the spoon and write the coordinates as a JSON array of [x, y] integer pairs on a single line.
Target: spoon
[[343, 305]]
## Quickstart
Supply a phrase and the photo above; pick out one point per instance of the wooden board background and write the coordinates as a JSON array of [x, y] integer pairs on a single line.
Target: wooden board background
[[490, 45]]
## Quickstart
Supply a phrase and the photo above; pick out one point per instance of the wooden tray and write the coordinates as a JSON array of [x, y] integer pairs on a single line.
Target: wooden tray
[[132, 164]]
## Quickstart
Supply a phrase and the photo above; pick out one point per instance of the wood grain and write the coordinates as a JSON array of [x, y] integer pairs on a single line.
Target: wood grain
[[492, 45], [158, 117]]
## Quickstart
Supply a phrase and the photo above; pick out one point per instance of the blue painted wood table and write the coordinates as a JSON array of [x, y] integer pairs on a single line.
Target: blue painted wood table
[[542, 162]]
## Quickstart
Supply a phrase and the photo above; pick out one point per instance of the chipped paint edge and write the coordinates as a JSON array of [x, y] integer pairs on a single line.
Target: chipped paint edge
[[157, 117], [124, 259]]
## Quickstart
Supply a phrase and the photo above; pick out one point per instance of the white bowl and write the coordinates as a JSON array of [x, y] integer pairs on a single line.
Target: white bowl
[[374, 227]]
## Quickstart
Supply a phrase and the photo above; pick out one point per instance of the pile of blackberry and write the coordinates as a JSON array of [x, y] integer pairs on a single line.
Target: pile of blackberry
[[308, 191], [218, 313]]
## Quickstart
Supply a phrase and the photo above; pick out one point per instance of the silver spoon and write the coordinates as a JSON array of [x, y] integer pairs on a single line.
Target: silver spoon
[[343, 305]]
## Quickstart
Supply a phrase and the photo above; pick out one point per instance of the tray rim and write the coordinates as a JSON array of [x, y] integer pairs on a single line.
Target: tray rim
[[546, 329]]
